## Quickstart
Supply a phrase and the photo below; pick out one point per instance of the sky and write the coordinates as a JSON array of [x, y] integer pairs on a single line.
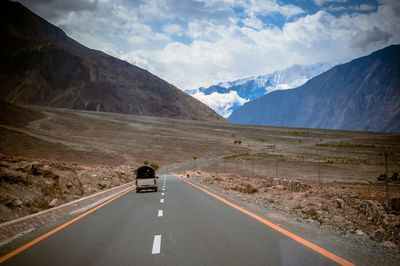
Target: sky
[[196, 43]]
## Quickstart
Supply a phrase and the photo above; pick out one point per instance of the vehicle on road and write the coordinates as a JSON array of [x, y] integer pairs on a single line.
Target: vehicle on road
[[146, 179]]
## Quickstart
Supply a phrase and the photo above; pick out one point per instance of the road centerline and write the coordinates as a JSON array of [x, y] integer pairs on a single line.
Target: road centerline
[[156, 244]]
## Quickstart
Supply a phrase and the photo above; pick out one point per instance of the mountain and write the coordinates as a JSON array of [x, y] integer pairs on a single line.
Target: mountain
[[363, 94], [226, 97], [41, 65]]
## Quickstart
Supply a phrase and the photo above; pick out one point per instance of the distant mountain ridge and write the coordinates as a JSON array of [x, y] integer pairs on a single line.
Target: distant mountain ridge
[[363, 94], [41, 65], [248, 89]]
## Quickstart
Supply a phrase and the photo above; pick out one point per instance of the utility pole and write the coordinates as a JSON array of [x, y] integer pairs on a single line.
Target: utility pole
[[319, 177], [386, 176], [236, 163], [386, 154]]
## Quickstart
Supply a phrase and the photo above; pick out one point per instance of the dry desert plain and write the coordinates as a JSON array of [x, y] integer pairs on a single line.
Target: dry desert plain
[[51, 156]]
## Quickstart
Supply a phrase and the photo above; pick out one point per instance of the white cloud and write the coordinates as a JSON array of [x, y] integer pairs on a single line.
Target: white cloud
[[173, 29], [253, 22], [322, 2], [354, 8], [260, 7], [221, 102], [200, 43]]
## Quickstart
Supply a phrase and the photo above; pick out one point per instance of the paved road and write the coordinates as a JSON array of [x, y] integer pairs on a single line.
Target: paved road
[[188, 228]]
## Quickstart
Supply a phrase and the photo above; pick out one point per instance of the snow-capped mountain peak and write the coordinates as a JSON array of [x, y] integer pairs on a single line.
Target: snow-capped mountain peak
[[250, 88]]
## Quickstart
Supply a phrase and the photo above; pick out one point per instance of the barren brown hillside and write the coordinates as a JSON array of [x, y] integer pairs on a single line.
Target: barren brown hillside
[[41, 65]]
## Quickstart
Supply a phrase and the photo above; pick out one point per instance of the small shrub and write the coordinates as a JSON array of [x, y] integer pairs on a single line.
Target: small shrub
[[237, 142], [155, 166], [296, 132], [146, 163]]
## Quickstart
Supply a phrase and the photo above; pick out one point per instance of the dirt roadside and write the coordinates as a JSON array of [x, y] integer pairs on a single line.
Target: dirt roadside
[[28, 186]]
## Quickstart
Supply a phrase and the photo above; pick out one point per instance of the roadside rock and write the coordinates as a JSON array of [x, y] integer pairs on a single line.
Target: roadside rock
[[339, 220], [55, 202], [310, 211], [102, 185], [17, 203], [340, 203], [379, 234], [390, 244], [359, 232]]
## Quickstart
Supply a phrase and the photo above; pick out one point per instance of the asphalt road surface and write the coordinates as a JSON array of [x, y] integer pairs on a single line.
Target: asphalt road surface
[[179, 225]]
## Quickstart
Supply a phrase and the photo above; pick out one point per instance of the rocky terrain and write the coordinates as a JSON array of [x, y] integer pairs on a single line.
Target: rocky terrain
[[350, 209], [360, 95], [28, 186], [41, 65]]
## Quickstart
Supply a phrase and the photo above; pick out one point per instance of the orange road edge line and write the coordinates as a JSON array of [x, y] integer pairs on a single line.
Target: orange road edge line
[[55, 230], [297, 238]]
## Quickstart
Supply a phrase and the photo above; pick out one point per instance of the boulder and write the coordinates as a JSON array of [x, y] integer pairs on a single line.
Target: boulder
[[379, 234], [339, 220], [390, 244], [32, 168], [340, 203], [55, 202], [359, 232], [17, 203], [102, 185], [310, 211]]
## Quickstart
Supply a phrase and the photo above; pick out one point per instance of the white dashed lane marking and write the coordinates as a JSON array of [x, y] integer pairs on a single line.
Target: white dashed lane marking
[[156, 244], [160, 213], [162, 194], [162, 200]]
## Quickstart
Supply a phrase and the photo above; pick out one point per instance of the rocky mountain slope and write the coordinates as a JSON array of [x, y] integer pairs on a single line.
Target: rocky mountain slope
[[41, 65], [226, 97], [363, 94]]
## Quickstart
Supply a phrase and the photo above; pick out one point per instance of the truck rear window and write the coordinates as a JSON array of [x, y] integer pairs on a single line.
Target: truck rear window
[[145, 172]]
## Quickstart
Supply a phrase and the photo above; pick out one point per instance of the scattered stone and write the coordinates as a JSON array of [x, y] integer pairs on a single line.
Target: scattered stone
[[339, 220], [44, 170], [379, 234], [17, 203], [55, 202], [310, 211], [390, 244], [69, 185], [359, 232], [340, 203], [102, 185]]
